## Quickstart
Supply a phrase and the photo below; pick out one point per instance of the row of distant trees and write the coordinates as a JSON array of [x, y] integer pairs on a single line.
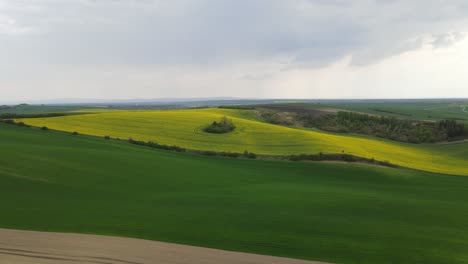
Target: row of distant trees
[[245, 154], [403, 130]]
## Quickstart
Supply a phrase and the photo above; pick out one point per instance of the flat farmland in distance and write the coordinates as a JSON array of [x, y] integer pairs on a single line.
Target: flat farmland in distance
[[39, 109], [407, 110]]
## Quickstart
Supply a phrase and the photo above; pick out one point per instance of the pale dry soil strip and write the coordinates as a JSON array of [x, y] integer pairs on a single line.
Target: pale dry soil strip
[[31, 247]]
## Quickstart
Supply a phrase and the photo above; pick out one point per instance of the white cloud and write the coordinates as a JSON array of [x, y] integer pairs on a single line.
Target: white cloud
[[9, 26]]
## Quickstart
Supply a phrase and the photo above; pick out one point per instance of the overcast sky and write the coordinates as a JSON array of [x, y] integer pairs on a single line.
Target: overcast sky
[[117, 49]]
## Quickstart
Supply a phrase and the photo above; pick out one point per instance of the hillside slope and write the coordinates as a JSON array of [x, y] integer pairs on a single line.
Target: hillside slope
[[185, 128], [337, 213]]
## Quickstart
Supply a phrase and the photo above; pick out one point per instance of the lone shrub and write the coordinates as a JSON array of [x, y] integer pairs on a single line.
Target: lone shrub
[[250, 155]]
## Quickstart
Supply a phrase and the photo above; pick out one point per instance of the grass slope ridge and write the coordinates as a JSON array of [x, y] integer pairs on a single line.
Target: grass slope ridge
[[436, 110], [185, 128], [331, 212]]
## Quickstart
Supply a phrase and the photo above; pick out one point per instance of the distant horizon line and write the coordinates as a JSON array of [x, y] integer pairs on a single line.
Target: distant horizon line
[[204, 99]]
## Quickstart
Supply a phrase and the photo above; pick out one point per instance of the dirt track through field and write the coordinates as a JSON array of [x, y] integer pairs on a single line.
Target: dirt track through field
[[30, 247]]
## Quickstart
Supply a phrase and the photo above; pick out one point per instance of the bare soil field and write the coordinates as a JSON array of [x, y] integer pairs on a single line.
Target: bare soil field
[[31, 247]]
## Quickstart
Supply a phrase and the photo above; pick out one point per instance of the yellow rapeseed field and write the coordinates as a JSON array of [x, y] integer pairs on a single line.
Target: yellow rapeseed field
[[185, 128]]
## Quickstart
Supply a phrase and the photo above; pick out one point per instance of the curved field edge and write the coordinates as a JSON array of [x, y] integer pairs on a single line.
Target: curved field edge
[[337, 213], [26, 247], [185, 128]]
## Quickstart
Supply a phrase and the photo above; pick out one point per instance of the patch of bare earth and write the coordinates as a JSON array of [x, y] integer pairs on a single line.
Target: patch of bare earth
[[28, 247]]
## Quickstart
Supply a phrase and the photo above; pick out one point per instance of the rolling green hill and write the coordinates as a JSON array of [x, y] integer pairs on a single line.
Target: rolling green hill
[[339, 213], [185, 128]]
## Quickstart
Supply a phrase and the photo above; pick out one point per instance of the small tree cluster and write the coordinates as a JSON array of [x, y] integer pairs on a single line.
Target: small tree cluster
[[453, 130], [224, 126]]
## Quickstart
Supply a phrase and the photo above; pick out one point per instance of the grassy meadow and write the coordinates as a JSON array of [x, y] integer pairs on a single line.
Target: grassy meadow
[[185, 128], [340, 213], [436, 110]]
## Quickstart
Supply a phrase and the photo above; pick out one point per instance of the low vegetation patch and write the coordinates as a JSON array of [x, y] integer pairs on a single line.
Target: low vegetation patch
[[224, 126], [339, 157], [156, 145]]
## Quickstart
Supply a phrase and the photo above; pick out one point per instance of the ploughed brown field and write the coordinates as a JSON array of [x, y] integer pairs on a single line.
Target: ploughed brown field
[[30, 247]]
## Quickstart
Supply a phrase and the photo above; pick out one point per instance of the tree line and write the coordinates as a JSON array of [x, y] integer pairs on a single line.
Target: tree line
[[339, 157], [392, 128], [17, 116], [403, 130]]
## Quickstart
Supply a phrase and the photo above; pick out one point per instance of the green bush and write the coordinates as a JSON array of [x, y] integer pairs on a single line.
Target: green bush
[[249, 155], [221, 127]]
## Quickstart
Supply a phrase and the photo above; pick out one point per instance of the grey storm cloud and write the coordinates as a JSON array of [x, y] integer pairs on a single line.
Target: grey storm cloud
[[312, 33]]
